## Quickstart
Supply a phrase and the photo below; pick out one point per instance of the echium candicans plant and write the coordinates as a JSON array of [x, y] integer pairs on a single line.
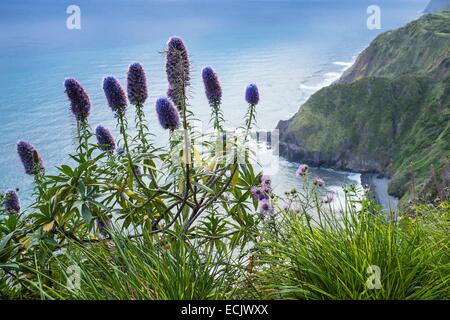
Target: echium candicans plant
[[11, 202], [167, 114], [137, 95], [30, 158], [105, 139], [252, 98], [213, 92], [117, 101], [80, 106], [146, 195], [178, 74]]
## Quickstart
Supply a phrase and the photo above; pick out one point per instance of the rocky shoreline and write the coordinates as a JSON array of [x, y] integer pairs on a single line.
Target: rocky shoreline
[[378, 186]]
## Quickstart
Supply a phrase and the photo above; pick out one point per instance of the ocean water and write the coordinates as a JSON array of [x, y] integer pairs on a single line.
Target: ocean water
[[289, 49]]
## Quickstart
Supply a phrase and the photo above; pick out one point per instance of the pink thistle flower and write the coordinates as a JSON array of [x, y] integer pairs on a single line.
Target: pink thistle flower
[[319, 182], [301, 171]]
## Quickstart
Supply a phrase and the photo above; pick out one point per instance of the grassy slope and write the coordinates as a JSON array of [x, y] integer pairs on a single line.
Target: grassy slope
[[389, 111]]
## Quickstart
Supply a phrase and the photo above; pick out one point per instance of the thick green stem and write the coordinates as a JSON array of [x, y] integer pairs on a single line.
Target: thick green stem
[[217, 123], [83, 137], [123, 131], [140, 125]]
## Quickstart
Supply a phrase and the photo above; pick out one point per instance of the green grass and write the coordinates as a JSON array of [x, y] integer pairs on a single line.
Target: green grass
[[330, 260], [294, 258], [141, 268]]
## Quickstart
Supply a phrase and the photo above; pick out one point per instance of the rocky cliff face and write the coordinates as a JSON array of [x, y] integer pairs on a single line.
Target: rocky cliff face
[[388, 114]]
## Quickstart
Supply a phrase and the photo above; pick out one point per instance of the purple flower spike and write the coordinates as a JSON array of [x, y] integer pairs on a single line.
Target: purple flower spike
[[105, 139], [11, 202], [80, 105], [177, 63], [137, 84], [213, 90], [177, 69], [117, 99], [252, 94], [31, 160], [167, 114]]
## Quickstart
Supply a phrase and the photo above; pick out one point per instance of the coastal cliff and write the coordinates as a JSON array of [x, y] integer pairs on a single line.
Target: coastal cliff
[[388, 114]]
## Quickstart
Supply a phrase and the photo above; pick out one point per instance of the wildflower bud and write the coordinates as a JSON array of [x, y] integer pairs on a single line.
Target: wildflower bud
[[318, 182]]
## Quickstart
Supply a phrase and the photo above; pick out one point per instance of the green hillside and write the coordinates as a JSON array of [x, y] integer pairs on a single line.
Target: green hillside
[[389, 113]]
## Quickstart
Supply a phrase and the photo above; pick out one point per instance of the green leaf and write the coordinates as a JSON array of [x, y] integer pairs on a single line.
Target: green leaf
[[235, 178], [58, 178], [66, 169], [5, 240], [204, 188], [86, 213], [81, 187], [14, 266]]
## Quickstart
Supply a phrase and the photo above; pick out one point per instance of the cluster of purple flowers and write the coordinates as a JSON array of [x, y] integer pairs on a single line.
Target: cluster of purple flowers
[[177, 70], [80, 104], [105, 139], [11, 202], [213, 89], [31, 160], [252, 94], [137, 84], [117, 99], [262, 194], [32, 164], [167, 113]]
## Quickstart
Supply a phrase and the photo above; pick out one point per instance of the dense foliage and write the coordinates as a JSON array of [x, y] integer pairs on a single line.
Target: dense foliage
[[194, 220]]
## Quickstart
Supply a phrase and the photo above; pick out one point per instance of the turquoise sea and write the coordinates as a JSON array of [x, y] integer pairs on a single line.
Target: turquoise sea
[[289, 48]]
